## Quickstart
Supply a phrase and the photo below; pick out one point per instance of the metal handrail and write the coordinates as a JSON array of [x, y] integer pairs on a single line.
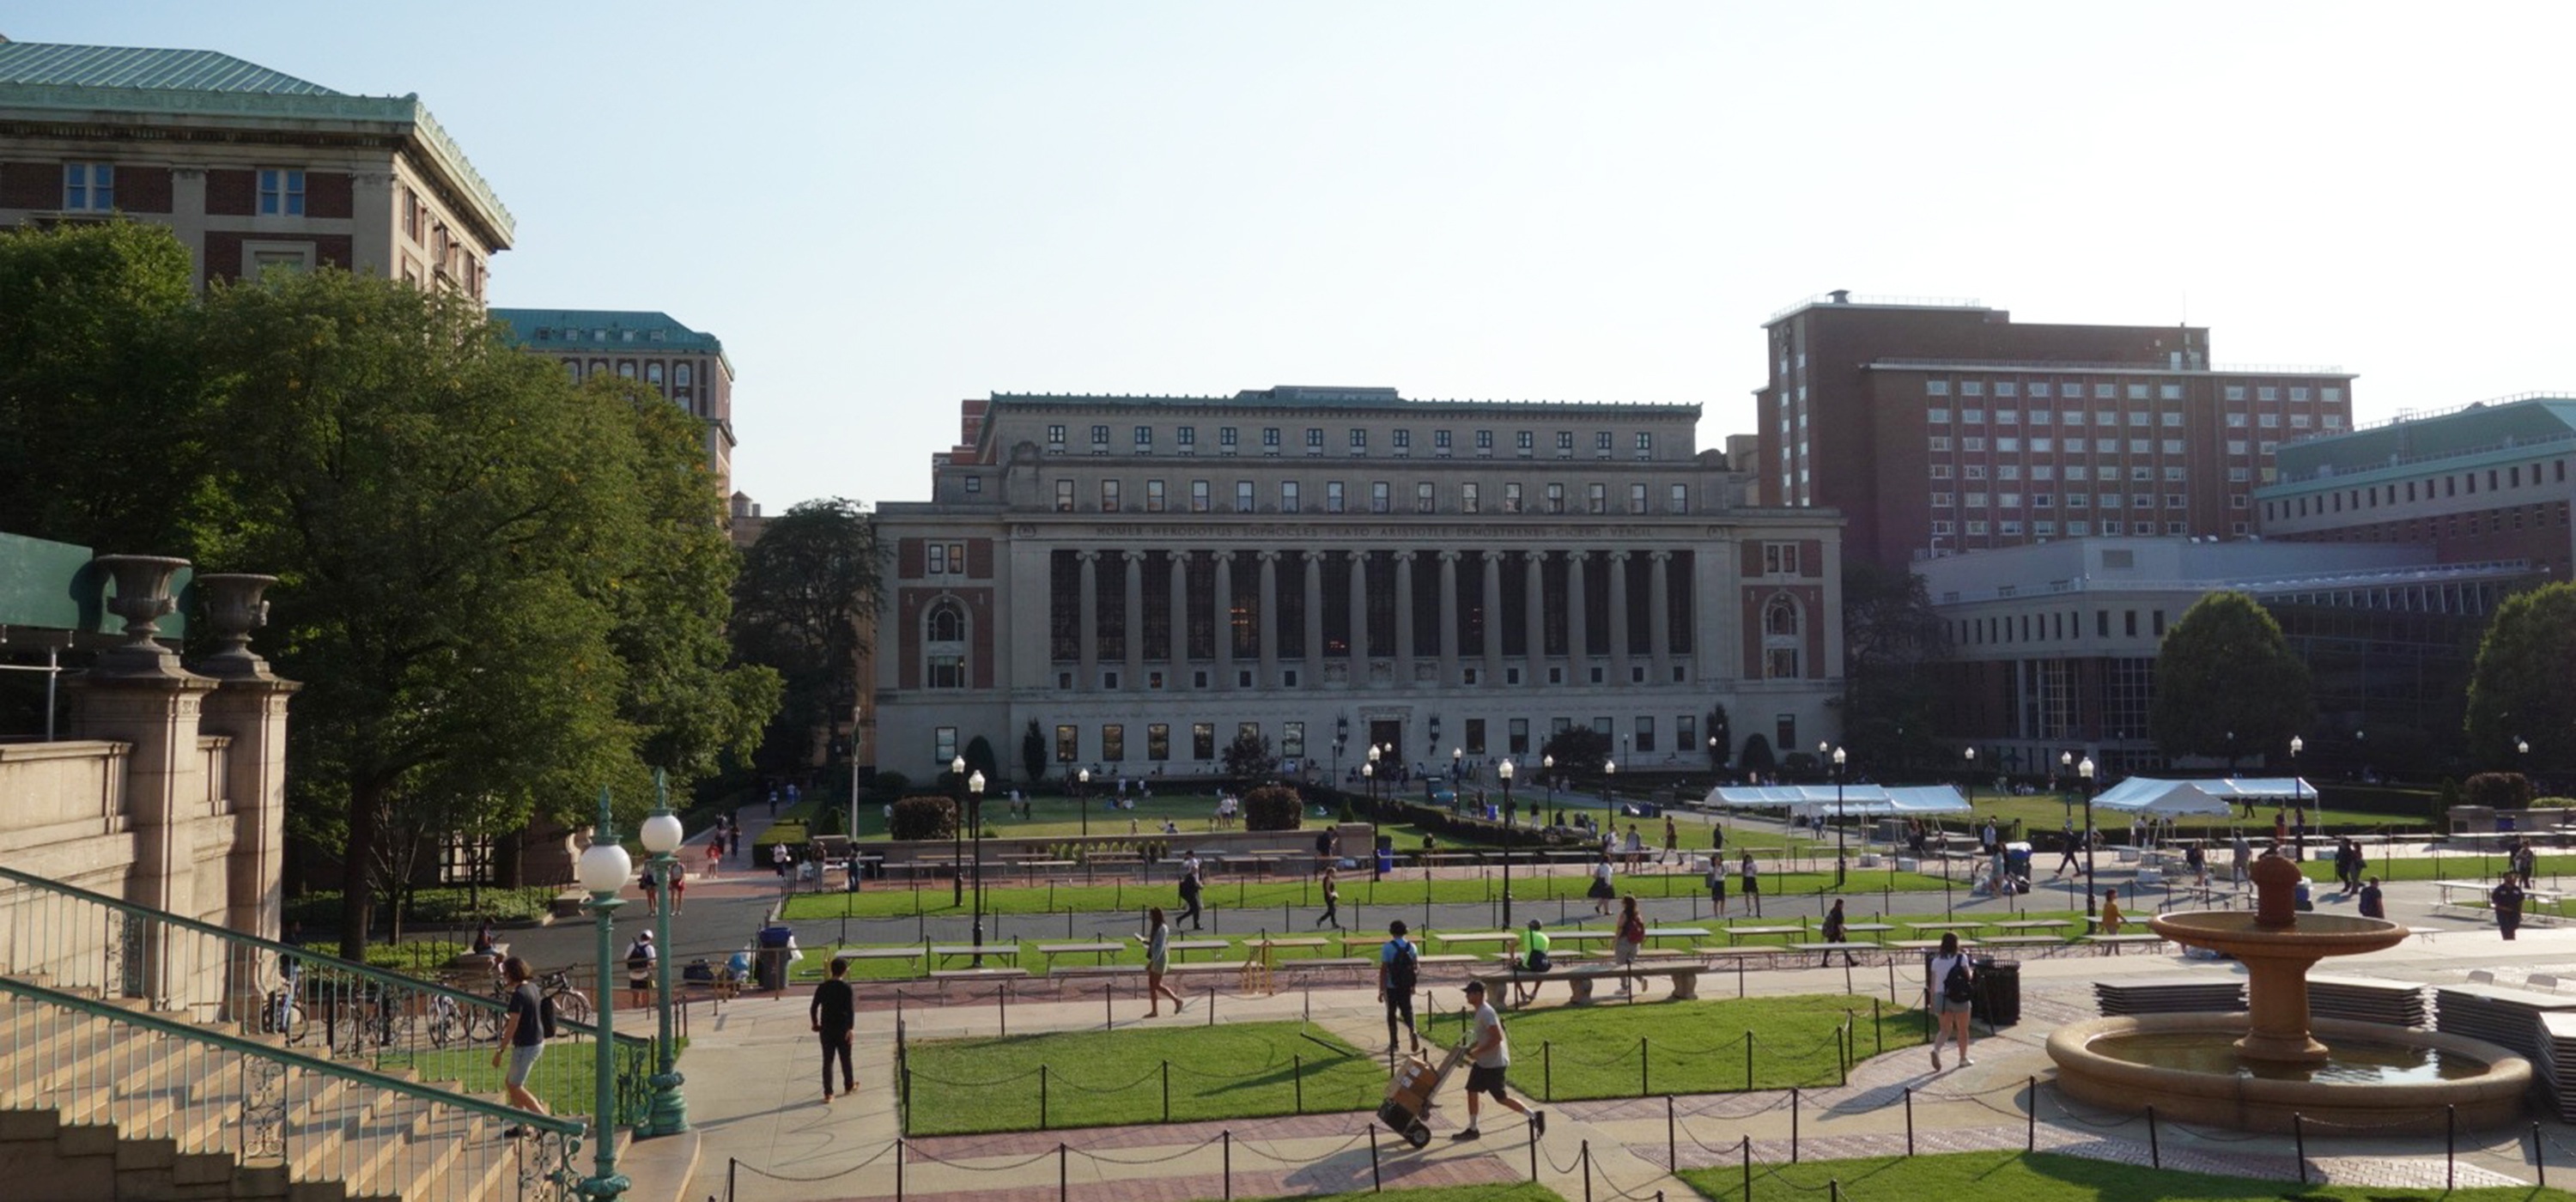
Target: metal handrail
[[206, 1093], [344, 985], [251, 1047]]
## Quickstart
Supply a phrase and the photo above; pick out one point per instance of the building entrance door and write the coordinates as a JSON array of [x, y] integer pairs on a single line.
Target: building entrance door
[[1389, 733]]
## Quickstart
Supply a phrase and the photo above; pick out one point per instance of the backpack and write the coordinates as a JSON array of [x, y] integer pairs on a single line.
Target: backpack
[[637, 961], [546, 1014], [1403, 972], [1955, 986]]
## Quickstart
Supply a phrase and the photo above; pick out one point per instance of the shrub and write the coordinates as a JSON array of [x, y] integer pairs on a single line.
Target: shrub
[[1272, 808], [928, 817], [2553, 803], [2498, 790]]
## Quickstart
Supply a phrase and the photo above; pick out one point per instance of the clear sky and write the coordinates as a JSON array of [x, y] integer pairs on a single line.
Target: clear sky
[[885, 208]]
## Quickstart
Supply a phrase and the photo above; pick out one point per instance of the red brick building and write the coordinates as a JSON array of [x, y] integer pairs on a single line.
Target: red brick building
[[1943, 426], [2484, 483]]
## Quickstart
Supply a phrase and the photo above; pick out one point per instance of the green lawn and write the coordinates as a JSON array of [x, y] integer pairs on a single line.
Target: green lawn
[[2046, 1177], [1404, 888], [1519, 1192], [564, 1079], [1663, 1046], [1177, 1073], [2043, 816], [2450, 865]]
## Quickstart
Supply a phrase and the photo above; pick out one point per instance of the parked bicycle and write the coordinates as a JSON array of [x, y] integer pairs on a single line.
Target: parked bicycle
[[570, 1004]]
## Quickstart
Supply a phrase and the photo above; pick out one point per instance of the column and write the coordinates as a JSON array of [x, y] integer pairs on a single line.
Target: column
[[1224, 561], [1619, 618], [1180, 590], [1269, 618], [1359, 617], [1578, 618], [1494, 617], [1448, 619], [1404, 617], [1135, 620], [1314, 618], [1534, 611], [1090, 620], [1659, 611]]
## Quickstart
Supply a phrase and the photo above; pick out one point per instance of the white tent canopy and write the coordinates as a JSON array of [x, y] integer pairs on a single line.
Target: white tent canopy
[[2271, 788], [1854, 799], [2160, 798]]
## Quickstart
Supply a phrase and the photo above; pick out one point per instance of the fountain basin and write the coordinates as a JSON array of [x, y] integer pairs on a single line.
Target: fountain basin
[[2486, 1084], [2277, 957]]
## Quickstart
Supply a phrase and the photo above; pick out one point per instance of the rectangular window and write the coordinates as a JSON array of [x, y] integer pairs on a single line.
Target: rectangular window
[[943, 743], [1100, 440], [281, 192], [1564, 443], [1596, 498], [1292, 738], [1064, 496], [1153, 496], [1680, 500], [1936, 388], [1287, 496], [1186, 438], [1973, 417], [1158, 741], [1636, 498], [1468, 501], [89, 187], [1199, 502], [1113, 742], [1940, 442], [1243, 496], [1314, 440], [1938, 417], [1381, 497], [1440, 441], [1484, 442], [1270, 440], [1972, 388], [1403, 441], [1779, 559], [1068, 744], [938, 560], [1423, 495], [1108, 496], [1511, 497], [1225, 440], [1359, 440], [1525, 442], [1202, 740], [1333, 498], [1645, 444], [1556, 498]]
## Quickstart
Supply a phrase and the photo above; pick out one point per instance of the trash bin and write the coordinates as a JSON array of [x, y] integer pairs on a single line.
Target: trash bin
[[1998, 994], [774, 945]]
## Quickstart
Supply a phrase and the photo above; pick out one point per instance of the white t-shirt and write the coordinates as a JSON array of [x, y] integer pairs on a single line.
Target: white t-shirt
[[1487, 1020]]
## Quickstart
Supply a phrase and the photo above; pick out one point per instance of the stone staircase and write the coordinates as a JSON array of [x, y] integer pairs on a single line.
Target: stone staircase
[[104, 1099]]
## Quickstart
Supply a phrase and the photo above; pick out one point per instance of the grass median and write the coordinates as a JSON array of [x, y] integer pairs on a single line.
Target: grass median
[[2047, 1177], [1565, 1054], [1176, 1073]]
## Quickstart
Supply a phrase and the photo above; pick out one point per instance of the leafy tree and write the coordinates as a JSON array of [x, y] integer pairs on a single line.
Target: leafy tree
[[1248, 757], [105, 426], [1757, 755], [1891, 642], [1579, 750], [2519, 692], [500, 590], [2498, 790], [2226, 682], [1273, 808], [1033, 752], [1721, 737], [807, 594]]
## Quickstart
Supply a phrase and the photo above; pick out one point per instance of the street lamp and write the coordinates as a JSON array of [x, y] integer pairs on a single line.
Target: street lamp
[[2084, 773], [851, 826], [1457, 766], [1082, 792], [957, 836], [662, 834], [603, 870], [2298, 799], [975, 796], [1840, 867], [1504, 770], [1547, 773]]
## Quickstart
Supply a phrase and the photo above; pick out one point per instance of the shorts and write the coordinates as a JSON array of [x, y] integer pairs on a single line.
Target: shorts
[[1481, 1079], [639, 981], [523, 1059], [1944, 1005]]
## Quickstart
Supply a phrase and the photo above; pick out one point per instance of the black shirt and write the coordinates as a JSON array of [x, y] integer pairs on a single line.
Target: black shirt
[[531, 1030], [833, 1007]]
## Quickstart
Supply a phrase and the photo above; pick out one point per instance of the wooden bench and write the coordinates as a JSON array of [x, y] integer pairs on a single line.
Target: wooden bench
[[976, 974], [877, 953], [1097, 970], [952, 951], [1101, 950], [1206, 966], [2111, 944], [1685, 979], [2025, 940]]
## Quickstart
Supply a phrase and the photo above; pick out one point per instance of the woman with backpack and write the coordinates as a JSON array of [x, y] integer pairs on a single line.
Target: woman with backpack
[[1949, 981]]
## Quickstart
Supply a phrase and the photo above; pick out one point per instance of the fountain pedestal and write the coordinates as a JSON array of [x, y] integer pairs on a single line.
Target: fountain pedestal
[[2277, 945]]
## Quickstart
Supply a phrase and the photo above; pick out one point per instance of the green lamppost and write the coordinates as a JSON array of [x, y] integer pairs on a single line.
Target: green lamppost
[[603, 870], [1504, 770], [662, 834]]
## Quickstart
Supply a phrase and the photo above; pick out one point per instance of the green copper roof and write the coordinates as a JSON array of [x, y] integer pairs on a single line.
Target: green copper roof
[[2474, 429], [605, 330], [136, 67]]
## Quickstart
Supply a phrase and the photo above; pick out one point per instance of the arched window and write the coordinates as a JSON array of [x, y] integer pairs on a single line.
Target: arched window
[[944, 645], [1780, 617]]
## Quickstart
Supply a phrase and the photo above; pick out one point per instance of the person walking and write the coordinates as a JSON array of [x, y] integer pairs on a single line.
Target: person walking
[[2196, 860], [1600, 891], [1626, 941], [2241, 854], [2360, 863], [1158, 961], [715, 854], [523, 1039], [639, 970], [1717, 884], [1672, 841], [1752, 883], [2111, 920], [1835, 932], [679, 889], [1190, 889], [2507, 901], [1399, 971], [1949, 986], [1332, 902], [1489, 1053], [834, 1014]]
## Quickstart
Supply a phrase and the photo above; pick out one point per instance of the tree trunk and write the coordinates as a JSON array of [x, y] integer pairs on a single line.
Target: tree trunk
[[357, 860]]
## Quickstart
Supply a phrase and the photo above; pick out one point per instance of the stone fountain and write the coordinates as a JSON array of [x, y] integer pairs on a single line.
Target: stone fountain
[[2256, 1069]]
